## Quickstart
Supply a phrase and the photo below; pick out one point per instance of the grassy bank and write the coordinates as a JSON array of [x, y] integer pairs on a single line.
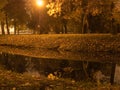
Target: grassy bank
[[70, 42]]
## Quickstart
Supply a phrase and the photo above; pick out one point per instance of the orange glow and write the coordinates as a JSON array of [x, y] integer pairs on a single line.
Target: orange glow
[[39, 2]]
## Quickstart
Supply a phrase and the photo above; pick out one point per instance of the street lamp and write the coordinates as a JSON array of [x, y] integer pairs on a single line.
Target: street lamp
[[39, 2]]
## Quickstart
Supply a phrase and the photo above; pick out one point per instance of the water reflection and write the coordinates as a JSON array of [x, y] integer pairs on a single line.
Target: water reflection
[[117, 74], [49, 54], [77, 70]]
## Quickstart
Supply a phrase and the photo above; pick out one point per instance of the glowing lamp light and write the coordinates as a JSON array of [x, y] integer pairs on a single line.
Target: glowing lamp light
[[39, 2]]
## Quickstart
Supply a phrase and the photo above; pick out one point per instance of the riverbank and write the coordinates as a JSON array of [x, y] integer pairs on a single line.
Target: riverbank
[[60, 47], [69, 42], [15, 81]]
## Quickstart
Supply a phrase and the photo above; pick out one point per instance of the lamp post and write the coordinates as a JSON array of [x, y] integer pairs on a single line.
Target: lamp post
[[39, 4]]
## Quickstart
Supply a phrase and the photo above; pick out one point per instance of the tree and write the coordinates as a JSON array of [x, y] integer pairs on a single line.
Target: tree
[[81, 11], [94, 9], [99, 12], [15, 12], [2, 15], [115, 17], [58, 9]]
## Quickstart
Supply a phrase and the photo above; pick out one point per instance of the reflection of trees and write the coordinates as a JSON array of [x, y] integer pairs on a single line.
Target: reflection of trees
[[14, 62], [112, 73], [85, 65], [77, 70]]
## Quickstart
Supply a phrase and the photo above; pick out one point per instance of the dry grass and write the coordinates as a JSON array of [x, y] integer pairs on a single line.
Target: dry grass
[[70, 42]]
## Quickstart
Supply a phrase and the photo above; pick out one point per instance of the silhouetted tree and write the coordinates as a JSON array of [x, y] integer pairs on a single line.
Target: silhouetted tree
[[15, 12], [2, 15]]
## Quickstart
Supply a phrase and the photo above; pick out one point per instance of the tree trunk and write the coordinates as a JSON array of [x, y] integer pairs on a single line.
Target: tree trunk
[[82, 29], [7, 26], [85, 24], [84, 16], [18, 31], [15, 28], [2, 28], [65, 28]]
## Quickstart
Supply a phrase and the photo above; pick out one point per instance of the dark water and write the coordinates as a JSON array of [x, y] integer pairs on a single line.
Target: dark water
[[74, 69]]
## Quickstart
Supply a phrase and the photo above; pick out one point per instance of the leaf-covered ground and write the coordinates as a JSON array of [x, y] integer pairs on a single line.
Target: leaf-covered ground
[[70, 42], [13, 81]]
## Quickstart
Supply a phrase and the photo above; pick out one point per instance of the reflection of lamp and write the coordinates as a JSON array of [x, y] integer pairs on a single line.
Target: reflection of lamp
[[39, 2]]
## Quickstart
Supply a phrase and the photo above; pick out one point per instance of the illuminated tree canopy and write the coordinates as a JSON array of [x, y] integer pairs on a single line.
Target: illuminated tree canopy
[[63, 16]]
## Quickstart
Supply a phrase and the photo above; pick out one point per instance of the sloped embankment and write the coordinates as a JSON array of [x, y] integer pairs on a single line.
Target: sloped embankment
[[69, 42]]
